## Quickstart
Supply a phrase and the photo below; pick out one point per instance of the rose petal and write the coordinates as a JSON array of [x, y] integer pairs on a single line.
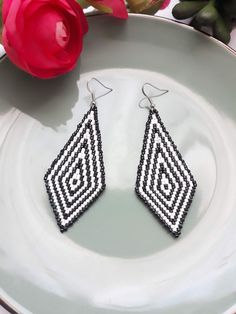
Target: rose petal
[[45, 49], [44, 37], [165, 4], [6, 7]]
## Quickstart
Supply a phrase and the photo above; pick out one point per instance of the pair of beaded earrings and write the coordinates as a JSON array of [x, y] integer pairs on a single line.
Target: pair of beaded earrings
[[76, 178]]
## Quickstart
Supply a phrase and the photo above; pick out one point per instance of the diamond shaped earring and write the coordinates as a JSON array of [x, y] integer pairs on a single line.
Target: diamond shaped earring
[[164, 182], [76, 178]]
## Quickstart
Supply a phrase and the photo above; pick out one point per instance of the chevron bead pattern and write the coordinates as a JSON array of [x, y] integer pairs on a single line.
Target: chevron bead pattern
[[164, 182], [76, 177]]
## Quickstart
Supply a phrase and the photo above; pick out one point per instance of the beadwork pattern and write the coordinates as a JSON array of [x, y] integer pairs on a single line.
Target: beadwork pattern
[[76, 177], [164, 182]]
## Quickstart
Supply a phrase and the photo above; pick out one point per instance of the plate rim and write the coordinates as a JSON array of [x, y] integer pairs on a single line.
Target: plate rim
[[3, 54], [6, 301]]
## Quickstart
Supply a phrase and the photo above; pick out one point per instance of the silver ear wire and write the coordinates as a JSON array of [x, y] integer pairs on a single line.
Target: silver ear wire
[[94, 98], [149, 98]]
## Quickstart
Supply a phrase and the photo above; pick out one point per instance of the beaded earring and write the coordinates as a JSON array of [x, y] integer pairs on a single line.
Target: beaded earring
[[76, 178], [164, 182]]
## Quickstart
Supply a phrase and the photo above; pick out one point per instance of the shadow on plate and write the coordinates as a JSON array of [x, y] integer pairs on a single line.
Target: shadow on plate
[[48, 101]]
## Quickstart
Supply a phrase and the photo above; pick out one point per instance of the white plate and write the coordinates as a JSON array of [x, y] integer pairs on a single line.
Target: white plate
[[117, 257]]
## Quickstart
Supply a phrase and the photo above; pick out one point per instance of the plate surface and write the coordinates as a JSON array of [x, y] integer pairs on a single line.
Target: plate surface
[[117, 258]]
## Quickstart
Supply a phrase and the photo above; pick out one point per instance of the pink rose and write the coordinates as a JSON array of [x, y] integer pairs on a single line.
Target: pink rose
[[165, 4], [43, 37]]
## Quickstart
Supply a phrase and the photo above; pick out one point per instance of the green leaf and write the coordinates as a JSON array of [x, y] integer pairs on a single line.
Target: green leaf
[[228, 7], [208, 15], [83, 3], [144, 6], [221, 30], [153, 8], [186, 9]]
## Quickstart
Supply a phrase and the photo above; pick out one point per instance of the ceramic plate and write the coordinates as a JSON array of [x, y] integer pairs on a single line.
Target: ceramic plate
[[118, 258]]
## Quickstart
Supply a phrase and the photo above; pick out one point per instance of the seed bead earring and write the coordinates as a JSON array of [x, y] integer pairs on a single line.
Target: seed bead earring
[[164, 182], [76, 178]]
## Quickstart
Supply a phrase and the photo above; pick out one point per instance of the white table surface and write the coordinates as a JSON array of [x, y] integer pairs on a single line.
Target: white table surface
[[3, 311], [165, 13]]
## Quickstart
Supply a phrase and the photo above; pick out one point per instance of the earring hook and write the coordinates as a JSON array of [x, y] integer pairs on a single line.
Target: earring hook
[[149, 98], [94, 99]]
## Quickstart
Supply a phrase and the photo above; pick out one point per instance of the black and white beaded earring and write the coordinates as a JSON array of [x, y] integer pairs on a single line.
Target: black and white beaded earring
[[76, 177], [164, 182]]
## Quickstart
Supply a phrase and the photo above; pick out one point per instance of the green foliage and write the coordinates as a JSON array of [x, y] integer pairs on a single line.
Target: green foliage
[[216, 14], [84, 4], [186, 9]]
